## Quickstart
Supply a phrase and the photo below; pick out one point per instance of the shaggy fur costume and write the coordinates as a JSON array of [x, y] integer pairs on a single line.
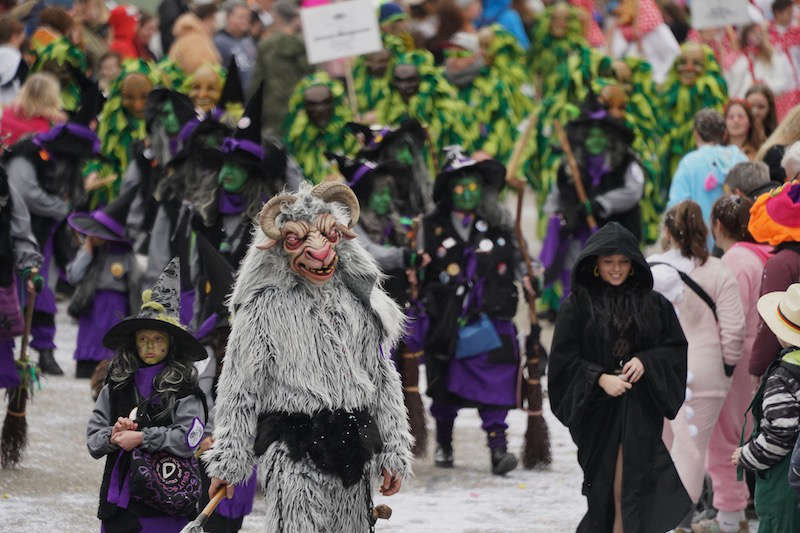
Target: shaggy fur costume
[[301, 348]]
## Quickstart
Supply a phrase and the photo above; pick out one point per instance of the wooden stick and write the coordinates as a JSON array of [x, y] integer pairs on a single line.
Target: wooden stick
[[577, 181], [351, 88], [516, 155]]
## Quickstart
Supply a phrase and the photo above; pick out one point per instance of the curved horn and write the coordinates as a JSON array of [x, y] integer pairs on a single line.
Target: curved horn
[[268, 213], [331, 191]]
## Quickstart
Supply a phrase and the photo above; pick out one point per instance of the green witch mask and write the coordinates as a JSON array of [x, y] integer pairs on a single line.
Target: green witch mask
[[467, 193], [380, 201], [232, 177], [169, 119], [596, 141]]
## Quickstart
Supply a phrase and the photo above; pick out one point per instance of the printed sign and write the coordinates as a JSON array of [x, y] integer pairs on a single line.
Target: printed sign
[[340, 29], [719, 13]]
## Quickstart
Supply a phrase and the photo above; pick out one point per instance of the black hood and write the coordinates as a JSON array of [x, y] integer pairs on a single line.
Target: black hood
[[611, 239]]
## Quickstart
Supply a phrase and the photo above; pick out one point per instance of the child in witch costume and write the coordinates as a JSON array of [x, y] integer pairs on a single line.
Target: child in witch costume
[[45, 171], [166, 113], [19, 255], [216, 280], [471, 348], [614, 183], [305, 390], [105, 275], [150, 404]]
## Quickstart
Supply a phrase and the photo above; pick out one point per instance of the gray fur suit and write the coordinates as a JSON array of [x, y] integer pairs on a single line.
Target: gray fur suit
[[297, 347]]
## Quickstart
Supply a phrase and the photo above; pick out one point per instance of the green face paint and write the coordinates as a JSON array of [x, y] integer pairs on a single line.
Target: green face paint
[[232, 177], [596, 141], [467, 193], [169, 119], [380, 201]]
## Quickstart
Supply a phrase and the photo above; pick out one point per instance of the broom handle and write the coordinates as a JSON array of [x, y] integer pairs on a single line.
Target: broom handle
[[211, 505], [577, 181], [23, 354]]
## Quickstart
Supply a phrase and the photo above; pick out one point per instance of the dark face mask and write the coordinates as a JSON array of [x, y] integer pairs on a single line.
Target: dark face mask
[[406, 81], [318, 102], [377, 63]]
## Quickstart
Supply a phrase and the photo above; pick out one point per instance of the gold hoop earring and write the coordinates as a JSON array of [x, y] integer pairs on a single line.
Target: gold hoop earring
[[596, 271]]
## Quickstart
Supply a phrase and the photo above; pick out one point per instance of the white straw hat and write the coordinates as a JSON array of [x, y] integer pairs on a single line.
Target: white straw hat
[[781, 312]]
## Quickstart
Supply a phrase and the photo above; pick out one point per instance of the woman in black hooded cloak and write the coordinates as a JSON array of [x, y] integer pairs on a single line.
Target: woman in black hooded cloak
[[617, 369]]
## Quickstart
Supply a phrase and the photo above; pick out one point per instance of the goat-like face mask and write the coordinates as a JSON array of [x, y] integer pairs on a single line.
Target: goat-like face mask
[[311, 243]]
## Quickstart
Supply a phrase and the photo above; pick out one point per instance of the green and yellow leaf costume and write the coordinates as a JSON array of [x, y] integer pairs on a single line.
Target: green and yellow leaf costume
[[547, 52], [677, 105], [306, 142], [506, 60], [118, 130], [372, 89], [54, 58]]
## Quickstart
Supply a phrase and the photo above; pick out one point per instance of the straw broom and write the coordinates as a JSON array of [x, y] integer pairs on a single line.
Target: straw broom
[[14, 437], [536, 449]]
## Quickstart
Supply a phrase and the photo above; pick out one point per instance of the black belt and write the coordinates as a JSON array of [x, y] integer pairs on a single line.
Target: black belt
[[339, 442]]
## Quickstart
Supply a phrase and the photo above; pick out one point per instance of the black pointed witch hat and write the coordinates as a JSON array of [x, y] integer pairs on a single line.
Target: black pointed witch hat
[[92, 99], [108, 222], [160, 311], [181, 105], [232, 92], [216, 283], [244, 147]]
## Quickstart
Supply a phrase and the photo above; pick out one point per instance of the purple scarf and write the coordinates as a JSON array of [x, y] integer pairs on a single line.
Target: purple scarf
[[230, 203]]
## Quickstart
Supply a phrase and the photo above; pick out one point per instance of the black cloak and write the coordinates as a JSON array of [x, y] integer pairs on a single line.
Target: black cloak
[[653, 497]]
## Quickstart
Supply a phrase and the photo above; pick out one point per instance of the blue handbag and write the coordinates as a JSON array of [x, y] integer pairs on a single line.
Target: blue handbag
[[477, 338]]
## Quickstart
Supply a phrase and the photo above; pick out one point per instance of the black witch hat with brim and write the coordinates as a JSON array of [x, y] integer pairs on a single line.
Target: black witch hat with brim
[[232, 92], [491, 172], [75, 138], [181, 105], [376, 138], [216, 286], [107, 223], [359, 173], [244, 147], [160, 311]]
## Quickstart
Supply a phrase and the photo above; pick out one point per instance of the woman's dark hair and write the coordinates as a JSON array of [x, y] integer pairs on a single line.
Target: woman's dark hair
[[57, 18], [177, 376], [733, 213], [771, 120], [755, 134], [687, 229], [203, 11]]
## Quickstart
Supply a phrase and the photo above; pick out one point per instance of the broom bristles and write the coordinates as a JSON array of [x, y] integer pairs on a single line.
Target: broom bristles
[[14, 437], [536, 450]]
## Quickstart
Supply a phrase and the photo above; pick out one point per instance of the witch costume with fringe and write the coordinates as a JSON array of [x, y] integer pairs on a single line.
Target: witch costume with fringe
[[470, 282], [614, 184]]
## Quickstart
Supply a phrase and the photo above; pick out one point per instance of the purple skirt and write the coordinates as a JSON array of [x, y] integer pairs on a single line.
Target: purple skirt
[[9, 376], [109, 307], [478, 380], [242, 502]]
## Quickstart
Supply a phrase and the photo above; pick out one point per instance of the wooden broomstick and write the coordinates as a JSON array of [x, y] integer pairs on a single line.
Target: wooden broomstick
[[537, 437], [577, 181], [14, 437], [196, 525]]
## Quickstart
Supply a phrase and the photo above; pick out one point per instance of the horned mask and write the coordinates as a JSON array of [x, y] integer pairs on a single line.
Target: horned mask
[[310, 241]]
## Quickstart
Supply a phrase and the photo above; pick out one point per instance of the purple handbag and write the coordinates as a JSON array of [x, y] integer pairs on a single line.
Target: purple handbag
[[165, 482], [11, 322]]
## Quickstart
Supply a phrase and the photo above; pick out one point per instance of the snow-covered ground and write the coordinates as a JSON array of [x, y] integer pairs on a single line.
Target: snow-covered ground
[[56, 487]]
